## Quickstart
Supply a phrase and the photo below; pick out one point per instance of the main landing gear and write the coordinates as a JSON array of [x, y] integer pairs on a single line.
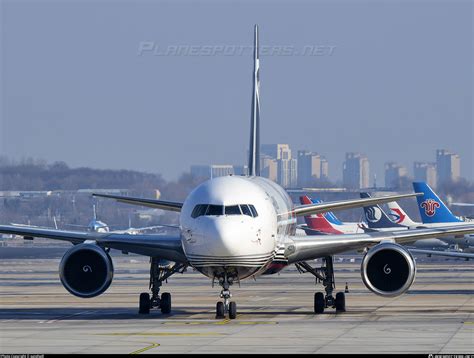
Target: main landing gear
[[227, 306], [160, 271], [325, 274]]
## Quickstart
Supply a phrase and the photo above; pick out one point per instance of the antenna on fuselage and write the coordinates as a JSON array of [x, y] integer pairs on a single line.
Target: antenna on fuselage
[[254, 150]]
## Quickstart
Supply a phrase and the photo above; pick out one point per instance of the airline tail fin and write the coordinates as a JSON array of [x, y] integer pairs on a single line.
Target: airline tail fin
[[376, 217], [332, 218], [328, 215], [318, 222], [399, 216], [432, 209], [254, 149]]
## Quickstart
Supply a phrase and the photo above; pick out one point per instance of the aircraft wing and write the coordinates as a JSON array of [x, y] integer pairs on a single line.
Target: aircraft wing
[[167, 247], [151, 203], [317, 208], [463, 204], [458, 254], [302, 248]]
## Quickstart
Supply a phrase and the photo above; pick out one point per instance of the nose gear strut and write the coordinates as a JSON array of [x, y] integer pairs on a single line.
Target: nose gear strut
[[226, 307]]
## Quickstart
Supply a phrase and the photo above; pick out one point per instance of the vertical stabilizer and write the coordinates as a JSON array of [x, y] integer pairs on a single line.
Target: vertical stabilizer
[[399, 216], [304, 200], [432, 209], [376, 217], [254, 149]]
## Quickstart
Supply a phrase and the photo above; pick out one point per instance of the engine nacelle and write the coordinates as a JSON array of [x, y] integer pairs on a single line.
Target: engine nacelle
[[86, 270], [388, 269]]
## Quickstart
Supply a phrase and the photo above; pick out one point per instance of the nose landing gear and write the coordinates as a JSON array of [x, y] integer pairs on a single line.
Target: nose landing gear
[[229, 307]]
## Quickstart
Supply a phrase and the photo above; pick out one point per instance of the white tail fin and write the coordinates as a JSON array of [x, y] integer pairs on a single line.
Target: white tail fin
[[254, 150], [399, 216]]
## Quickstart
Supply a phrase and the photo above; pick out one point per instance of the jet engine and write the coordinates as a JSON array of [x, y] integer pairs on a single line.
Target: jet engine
[[388, 269], [86, 270]]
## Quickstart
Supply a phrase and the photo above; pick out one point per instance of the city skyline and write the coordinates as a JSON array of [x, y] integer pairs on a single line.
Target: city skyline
[[355, 174], [99, 100]]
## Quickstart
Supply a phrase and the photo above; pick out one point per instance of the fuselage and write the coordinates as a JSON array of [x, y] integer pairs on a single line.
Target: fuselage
[[233, 226]]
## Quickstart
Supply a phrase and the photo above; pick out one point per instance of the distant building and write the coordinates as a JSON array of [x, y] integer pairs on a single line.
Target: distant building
[[211, 171], [394, 174], [448, 166], [423, 171], [286, 166], [287, 172], [269, 167], [276, 151], [311, 167], [324, 169], [355, 174], [241, 170]]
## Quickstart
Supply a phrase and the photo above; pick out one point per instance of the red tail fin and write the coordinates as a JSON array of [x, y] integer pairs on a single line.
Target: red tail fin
[[318, 221]]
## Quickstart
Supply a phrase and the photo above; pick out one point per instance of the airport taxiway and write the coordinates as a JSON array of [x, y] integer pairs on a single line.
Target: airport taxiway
[[275, 313]]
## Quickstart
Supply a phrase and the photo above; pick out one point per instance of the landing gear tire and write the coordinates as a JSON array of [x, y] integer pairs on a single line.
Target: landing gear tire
[[144, 303], [340, 302], [165, 303], [319, 302], [220, 310], [232, 310]]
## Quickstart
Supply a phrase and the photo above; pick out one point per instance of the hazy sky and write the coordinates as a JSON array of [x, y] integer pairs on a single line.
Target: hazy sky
[[81, 82]]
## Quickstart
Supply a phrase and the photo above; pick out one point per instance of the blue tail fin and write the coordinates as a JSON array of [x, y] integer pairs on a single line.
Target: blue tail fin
[[329, 215], [376, 217], [432, 209]]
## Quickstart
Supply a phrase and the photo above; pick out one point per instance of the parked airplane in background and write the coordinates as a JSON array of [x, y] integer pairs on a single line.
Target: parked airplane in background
[[94, 225], [400, 217], [320, 225], [432, 209], [327, 223], [233, 228], [377, 219], [434, 213]]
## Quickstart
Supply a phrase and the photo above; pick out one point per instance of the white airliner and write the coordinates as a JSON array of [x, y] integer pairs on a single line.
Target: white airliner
[[96, 225], [238, 227]]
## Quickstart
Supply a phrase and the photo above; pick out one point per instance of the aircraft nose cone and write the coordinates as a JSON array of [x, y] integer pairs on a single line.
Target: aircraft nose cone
[[224, 237]]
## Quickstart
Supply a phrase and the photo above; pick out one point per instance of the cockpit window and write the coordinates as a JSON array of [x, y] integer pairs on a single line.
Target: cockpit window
[[215, 210], [254, 211], [199, 210], [249, 210], [246, 210], [232, 210]]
